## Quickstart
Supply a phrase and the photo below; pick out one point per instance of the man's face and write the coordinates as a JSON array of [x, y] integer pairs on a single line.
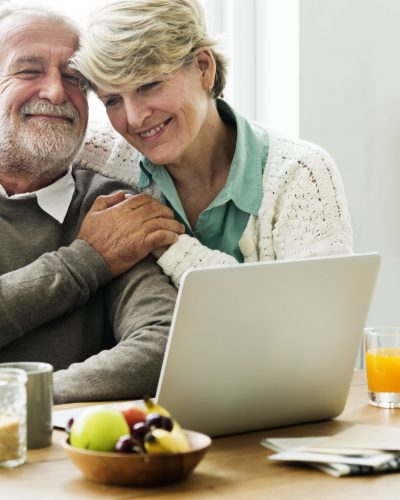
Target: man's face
[[43, 109]]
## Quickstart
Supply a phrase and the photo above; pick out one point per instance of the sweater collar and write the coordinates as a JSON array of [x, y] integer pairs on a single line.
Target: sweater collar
[[53, 199]]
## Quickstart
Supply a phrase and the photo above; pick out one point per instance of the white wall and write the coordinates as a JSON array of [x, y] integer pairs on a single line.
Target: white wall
[[350, 104]]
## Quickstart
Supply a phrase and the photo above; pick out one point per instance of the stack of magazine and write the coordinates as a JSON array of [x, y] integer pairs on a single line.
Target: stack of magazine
[[360, 449]]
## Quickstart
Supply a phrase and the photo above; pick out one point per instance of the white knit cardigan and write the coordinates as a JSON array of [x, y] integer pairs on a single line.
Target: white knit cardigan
[[303, 212]]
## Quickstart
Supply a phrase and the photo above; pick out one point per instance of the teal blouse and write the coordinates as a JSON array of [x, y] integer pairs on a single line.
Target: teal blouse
[[222, 223]]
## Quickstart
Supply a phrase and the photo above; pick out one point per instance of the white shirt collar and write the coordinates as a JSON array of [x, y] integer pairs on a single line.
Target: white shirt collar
[[53, 199]]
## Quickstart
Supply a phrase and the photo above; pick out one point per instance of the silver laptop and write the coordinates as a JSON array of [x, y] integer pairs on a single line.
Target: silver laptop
[[255, 346]]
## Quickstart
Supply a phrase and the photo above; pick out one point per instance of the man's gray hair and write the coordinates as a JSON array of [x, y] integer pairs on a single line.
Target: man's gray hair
[[14, 7]]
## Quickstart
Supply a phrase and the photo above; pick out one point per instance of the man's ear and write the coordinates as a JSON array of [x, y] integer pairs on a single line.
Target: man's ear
[[206, 63]]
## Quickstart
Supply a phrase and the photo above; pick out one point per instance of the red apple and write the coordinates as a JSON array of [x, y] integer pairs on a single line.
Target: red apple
[[133, 415]]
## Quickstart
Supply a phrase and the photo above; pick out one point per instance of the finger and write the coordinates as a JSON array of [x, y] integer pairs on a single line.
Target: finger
[[106, 201], [160, 238], [138, 200], [161, 223], [150, 211], [115, 198], [157, 252]]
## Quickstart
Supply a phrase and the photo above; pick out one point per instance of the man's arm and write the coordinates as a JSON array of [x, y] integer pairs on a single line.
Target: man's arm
[[49, 287], [117, 232], [141, 304]]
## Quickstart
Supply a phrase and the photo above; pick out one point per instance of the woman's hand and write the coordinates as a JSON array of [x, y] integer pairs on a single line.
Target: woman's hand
[[159, 251]]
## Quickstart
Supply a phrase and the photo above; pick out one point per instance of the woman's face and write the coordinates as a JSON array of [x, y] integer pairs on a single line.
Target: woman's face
[[164, 118]]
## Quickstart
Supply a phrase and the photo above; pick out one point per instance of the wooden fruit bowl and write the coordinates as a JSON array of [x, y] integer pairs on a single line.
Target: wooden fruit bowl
[[139, 470]]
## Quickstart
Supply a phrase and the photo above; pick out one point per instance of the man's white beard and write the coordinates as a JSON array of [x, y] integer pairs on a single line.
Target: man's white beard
[[39, 148], [48, 141]]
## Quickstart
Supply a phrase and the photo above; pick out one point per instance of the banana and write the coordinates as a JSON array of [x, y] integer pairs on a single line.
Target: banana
[[161, 441], [153, 407]]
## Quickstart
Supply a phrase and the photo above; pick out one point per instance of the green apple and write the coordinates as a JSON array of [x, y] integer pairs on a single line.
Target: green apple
[[98, 429]]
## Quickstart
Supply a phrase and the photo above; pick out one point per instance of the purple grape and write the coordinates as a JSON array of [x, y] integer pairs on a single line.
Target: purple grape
[[124, 444], [139, 430], [68, 425], [159, 421]]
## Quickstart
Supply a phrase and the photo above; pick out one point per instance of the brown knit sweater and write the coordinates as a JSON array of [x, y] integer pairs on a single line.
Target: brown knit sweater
[[59, 303]]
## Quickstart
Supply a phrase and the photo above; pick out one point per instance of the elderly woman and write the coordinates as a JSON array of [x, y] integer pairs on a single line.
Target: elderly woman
[[243, 192]]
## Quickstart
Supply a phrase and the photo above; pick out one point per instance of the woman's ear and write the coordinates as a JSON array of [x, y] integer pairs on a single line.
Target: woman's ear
[[206, 63]]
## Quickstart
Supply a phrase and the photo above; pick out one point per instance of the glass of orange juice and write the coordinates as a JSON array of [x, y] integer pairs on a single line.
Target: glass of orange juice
[[382, 359]]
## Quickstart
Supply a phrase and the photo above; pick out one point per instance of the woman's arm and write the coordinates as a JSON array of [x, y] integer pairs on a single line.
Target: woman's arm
[[188, 253]]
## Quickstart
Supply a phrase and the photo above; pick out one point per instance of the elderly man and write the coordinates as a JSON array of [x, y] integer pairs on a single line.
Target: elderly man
[[78, 288]]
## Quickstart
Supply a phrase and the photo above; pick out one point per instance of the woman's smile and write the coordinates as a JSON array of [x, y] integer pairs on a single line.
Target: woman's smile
[[155, 131]]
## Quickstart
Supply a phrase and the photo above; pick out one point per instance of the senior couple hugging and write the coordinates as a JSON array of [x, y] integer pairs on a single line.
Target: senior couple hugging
[[98, 226]]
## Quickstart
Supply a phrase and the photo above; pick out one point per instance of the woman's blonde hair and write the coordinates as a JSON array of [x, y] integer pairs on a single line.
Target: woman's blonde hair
[[130, 42]]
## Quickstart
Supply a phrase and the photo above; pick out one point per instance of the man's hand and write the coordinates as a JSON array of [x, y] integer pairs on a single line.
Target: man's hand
[[123, 229]]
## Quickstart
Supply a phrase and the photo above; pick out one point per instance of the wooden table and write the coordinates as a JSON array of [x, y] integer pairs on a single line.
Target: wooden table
[[234, 468]]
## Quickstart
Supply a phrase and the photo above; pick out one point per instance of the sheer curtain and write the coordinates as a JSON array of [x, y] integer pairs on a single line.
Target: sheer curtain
[[261, 38]]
